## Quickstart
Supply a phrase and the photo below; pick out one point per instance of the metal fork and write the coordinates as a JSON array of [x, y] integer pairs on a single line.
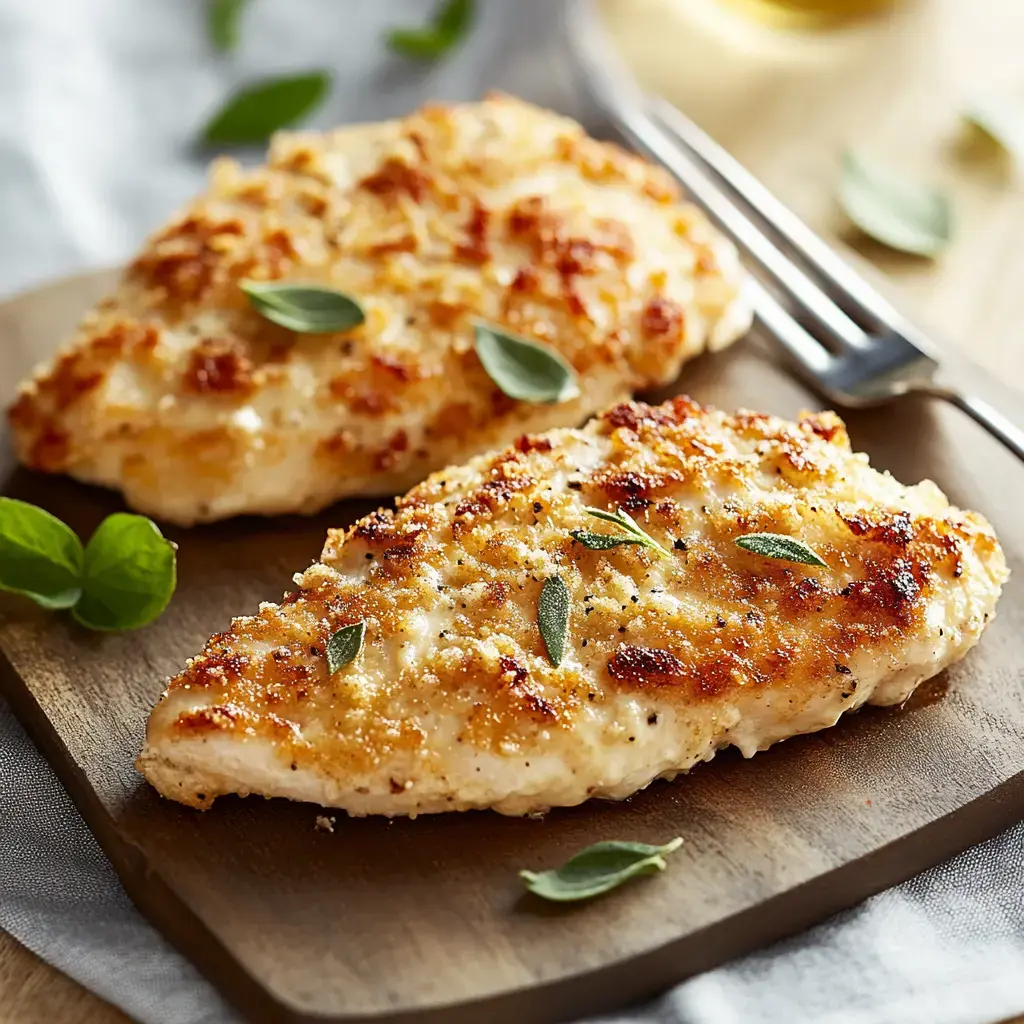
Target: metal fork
[[838, 331]]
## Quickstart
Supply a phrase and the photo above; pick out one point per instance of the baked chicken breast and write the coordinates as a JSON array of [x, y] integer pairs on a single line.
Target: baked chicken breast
[[177, 392], [454, 701]]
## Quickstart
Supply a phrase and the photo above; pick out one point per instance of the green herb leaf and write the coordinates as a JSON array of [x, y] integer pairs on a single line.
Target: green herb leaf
[[778, 545], [553, 617], [306, 308], [633, 535], [451, 22], [418, 43], [222, 22], [523, 369], [455, 18], [344, 646], [129, 574], [902, 215], [258, 110], [598, 869], [40, 557], [602, 541], [1001, 122]]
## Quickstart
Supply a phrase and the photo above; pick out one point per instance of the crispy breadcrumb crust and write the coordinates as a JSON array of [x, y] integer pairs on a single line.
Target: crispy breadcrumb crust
[[454, 702], [175, 391]]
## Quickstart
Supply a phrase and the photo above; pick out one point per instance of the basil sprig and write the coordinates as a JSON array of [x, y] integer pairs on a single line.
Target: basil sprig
[[598, 869], [779, 546], [603, 541], [451, 22], [305, 308], [222, 22], [901, 214], [553, 617], [258, 110], [122, 579], [523, 369], [345, 645]]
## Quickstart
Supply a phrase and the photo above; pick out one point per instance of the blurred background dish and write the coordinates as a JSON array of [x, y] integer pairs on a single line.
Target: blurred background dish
[[809, 13]]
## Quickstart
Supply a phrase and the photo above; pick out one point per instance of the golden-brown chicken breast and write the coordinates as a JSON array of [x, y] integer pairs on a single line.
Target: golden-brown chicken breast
[[671, 653], [180, 394]]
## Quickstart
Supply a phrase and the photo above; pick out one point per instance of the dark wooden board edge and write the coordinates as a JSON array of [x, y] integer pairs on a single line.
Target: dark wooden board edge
[[600, 991]]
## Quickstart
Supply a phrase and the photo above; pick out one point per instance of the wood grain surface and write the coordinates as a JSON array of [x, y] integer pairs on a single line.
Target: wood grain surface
[[32, 992], [787, 108]]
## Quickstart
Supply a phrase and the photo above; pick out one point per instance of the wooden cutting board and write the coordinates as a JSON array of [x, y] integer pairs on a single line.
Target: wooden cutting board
[[426, 920]]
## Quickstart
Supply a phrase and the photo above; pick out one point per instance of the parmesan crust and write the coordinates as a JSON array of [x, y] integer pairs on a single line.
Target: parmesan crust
[[180, 395], [454, 704]]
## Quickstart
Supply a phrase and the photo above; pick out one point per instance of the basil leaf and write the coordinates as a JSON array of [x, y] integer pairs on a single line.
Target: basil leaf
[[258, 110], [598, 869], [634, 534], [602, 541], [553, 617], [129, 574], [450, 24], [901, 214], [222, 23], [1001, 123], [305, 308], [778, 545], [40, 557], [344, 646], [523, 369]]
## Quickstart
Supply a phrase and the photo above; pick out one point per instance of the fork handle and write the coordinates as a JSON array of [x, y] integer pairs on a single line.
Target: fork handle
[[988, 416], [972, 381]]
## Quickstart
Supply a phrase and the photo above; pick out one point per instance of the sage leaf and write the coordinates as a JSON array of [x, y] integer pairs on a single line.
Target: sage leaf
[[633, 533], [223, 17], [598, 869], [345, 645], [523, 369], [553, 617], [602, 541], [258, 110], [40, 557], [1003, 124], [778, 545], [305, 308], [128, 576], [618, 517], [451, 22], [903, 215]]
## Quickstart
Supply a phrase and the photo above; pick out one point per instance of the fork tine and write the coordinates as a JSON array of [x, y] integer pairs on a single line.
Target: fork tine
[[847, 288], [804, 350], [620, 97], [813, 306]]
